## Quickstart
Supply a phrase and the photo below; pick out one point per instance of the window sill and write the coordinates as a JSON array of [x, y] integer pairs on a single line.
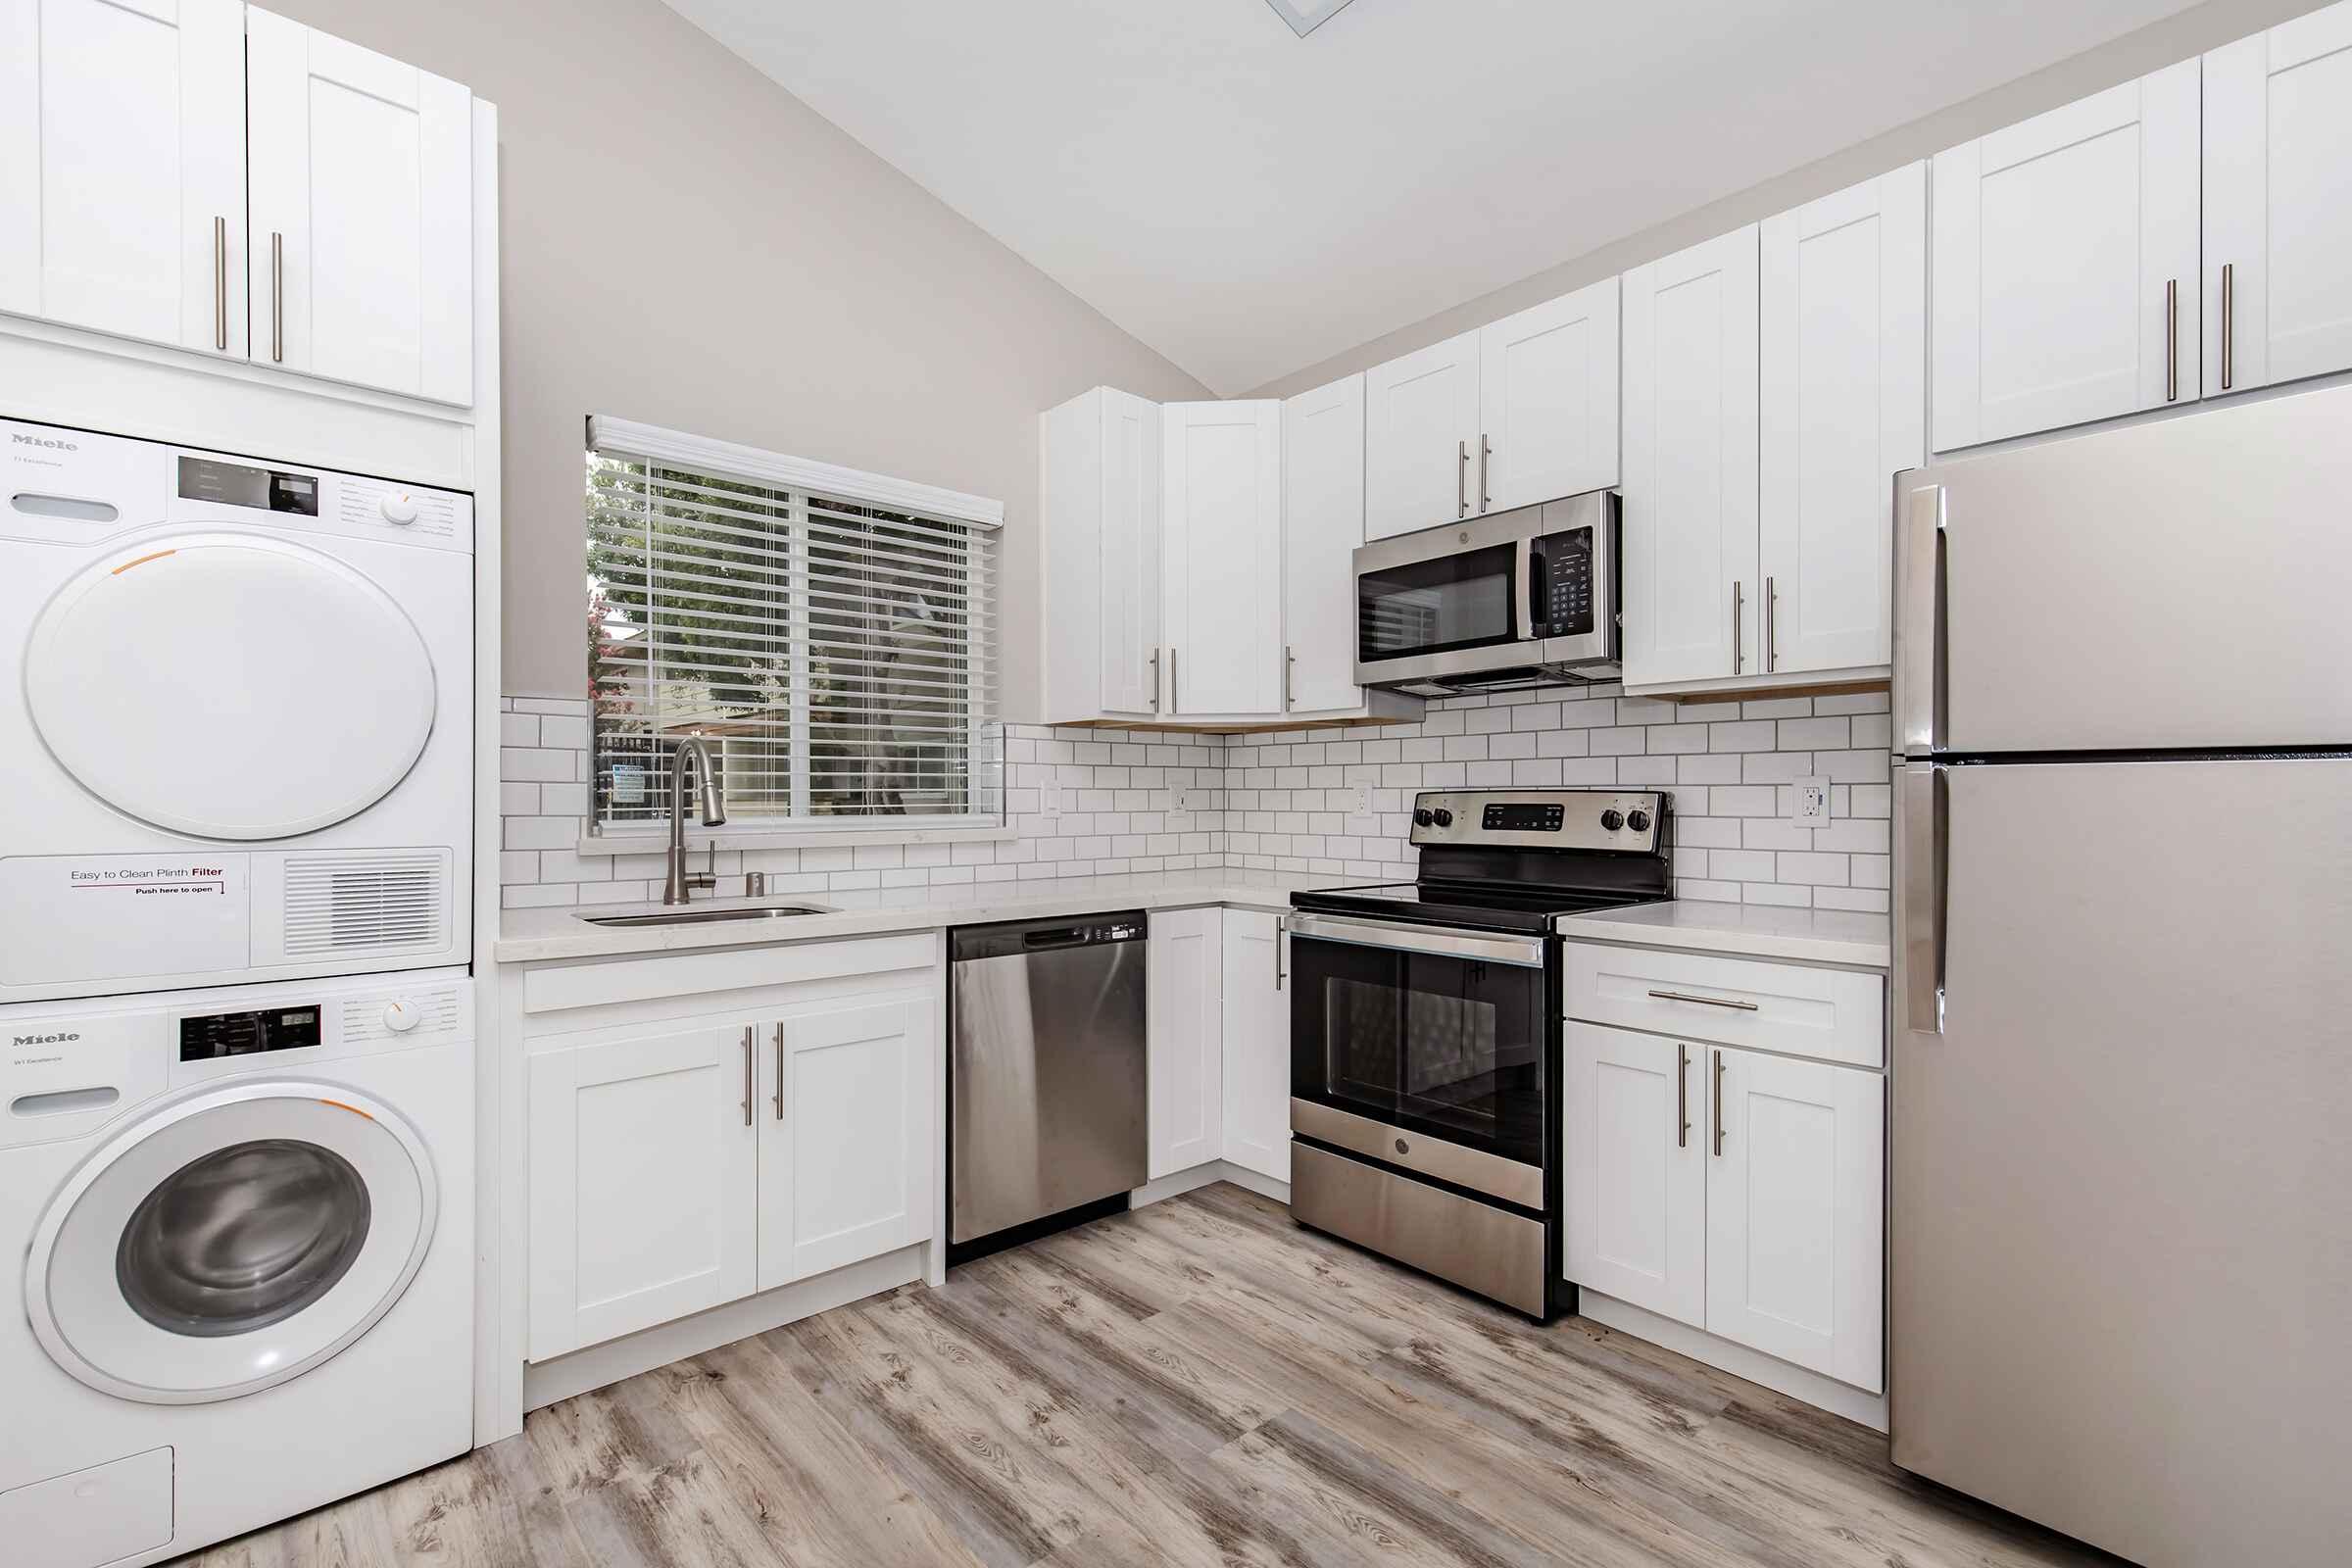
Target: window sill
[[636, 842]]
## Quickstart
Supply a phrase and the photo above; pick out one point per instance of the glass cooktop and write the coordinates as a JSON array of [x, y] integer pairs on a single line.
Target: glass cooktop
[[1493, 905]]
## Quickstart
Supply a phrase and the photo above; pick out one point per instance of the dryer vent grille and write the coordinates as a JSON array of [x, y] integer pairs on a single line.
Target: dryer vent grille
[[368, 903]]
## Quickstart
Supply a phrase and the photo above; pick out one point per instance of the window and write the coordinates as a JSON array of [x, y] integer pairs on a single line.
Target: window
[[829, 633]]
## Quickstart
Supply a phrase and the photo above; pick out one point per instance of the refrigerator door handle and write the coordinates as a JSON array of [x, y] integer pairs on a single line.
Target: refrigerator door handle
[[1919, 591], [1924, 806]]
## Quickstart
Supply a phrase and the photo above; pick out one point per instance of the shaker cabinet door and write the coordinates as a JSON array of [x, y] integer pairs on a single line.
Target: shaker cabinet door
[[1184, 1044], [1635, 1169], [1322, 523], [642, 1157], [1257, 1045], [123, 167], [1420, 423], [2066, 265], [1222, 557], [361, 214], [2279, 204], [1547, 404]]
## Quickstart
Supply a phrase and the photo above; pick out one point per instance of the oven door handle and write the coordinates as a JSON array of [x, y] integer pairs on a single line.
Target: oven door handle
[[1443, 942]]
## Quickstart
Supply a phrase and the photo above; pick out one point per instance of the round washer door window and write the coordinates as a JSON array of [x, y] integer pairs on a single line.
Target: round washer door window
[[230, 1242], [229, 686]]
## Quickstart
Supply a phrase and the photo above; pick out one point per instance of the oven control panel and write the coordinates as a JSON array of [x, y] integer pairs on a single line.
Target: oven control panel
[[1630, 821]]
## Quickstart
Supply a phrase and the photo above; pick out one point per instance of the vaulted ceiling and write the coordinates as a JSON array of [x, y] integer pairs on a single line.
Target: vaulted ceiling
[[1248, 202]]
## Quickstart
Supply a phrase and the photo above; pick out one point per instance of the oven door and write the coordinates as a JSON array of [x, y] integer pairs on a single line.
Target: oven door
[[1423, 1048], [1452, 601]]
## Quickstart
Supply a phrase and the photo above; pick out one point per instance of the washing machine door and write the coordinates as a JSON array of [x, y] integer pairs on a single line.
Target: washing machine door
[[229, 685], [233, 1240]]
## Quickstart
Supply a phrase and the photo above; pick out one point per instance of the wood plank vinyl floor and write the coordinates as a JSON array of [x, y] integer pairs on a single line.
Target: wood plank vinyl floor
[[1197, 1383]]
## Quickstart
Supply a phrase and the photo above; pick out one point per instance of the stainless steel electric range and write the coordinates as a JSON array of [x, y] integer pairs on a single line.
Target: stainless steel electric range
[[1425, 1032]]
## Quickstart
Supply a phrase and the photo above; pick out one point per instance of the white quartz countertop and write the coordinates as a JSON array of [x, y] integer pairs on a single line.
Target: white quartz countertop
[[1749, 930], [527, 935]]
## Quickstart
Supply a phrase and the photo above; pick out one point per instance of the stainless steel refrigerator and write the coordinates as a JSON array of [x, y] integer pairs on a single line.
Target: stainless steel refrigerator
[[2120, 1244]]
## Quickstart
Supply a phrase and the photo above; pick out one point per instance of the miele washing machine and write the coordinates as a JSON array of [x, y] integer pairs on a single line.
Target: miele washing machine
[[236, 705], [242, 1226]]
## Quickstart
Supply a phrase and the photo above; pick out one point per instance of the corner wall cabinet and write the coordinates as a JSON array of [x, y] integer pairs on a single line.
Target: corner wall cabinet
[[1197, 569], [1727, 1186], [222, 179]]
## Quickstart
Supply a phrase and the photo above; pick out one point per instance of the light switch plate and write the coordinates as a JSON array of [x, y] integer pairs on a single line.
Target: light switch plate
[[1050, 800], [1186, 798], [1811, 800]]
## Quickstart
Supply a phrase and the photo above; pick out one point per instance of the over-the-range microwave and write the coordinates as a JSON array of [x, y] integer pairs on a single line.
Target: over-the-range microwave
[[1522, 598]]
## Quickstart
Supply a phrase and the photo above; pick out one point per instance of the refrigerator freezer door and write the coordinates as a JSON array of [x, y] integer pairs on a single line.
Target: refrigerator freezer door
[[2178, 584], [2121, 1246]]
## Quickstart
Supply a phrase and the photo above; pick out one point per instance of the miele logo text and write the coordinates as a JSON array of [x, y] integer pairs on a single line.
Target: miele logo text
[[43, 441], [44, 1040]]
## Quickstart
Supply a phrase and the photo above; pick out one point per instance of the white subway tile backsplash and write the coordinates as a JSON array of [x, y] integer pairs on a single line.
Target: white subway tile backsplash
[[1277, 802]]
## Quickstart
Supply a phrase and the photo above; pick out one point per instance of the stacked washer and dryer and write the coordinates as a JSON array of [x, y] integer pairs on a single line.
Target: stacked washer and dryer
[[237, 1104]]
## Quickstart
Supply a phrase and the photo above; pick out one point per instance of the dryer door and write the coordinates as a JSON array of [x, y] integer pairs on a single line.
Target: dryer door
[[233, 1239], [229, 685]]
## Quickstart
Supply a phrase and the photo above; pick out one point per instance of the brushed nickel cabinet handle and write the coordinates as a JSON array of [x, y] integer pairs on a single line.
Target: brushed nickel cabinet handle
[[1705, 1002], [1486, 462], [2172, 340], [747, 1075], [277, 298], [1175, 699], [2228, 313], [1719, 1103], [1739, 607], [1289, 658], [1155, 680], [1772, 634], [779, 1070], [221, 283], [1278, 936], [1461, 479], [1681, 1096]]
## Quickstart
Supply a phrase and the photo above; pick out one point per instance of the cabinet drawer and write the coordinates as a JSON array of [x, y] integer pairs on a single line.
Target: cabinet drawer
[[1830, 1014]]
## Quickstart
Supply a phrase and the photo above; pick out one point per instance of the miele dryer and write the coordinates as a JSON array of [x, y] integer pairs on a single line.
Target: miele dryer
[[236, 719]]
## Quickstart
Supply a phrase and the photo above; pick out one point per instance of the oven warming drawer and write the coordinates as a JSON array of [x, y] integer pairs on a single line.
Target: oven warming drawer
[[1474, 1168], [1491, 1251]]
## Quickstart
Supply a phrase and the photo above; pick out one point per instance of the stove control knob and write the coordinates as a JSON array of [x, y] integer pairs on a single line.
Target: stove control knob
[[1638, 821], [1612, 819], [1444, 816], [399, 1016], [1422, 817]]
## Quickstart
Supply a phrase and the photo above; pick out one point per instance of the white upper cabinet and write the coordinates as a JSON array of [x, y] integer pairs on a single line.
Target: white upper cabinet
[[1420, 425], [2277, 284], [1690, 484], [1547, 401], [1322, 524], [2066, 265], [1843, 409], [361, 214], [1098, 501], [1222, 565], [123, 167]]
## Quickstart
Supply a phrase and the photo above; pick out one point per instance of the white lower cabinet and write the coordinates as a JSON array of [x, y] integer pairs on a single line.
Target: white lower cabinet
[[1257, 1045], [845, 1135], [1183, 1041], [1795, 1211], [675, 1168], [1735, 1191]]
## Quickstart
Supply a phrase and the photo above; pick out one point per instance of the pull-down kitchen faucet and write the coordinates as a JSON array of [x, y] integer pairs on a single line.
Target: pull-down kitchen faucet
[[681, 886]]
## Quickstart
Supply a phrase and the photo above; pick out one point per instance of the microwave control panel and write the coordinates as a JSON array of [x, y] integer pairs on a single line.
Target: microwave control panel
[[1563, 586]]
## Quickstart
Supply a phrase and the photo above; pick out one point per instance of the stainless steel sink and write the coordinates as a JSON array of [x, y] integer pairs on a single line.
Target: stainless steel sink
[[764, 912]]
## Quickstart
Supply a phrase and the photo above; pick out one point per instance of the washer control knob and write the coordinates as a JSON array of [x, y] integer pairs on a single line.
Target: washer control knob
[[1422, 817], [1638, 821], [1612, 819], [1444, 816], [400, 509], [399, 1016]]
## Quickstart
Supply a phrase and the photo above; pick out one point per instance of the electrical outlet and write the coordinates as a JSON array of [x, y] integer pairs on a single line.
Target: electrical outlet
[[1356, 800], [1812, 801]]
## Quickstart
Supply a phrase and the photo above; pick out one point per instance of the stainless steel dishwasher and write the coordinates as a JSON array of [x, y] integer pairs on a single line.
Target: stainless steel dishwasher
[[1046, 1084]]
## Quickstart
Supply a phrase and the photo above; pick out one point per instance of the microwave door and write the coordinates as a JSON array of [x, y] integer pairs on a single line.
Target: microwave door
[[1441, 615]]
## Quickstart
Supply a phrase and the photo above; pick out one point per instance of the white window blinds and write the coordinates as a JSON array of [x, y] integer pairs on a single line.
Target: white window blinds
[[830, 633]]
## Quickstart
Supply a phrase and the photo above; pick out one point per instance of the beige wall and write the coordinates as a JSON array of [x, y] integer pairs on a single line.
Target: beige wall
[[687, 244], [2186, 33]]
